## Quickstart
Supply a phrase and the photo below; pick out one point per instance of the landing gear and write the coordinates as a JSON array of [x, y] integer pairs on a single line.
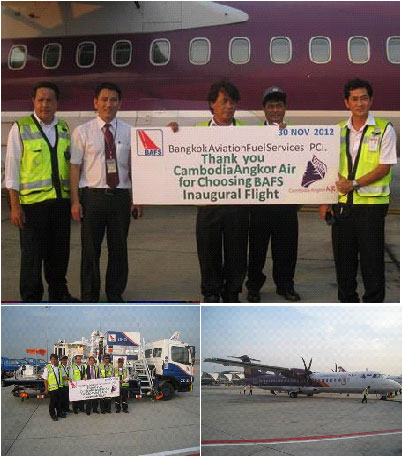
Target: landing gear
[[293, 395]]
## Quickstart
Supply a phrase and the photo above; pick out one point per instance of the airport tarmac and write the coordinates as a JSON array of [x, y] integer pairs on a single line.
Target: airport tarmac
[[326, 424], [151, 428], [164, 266]]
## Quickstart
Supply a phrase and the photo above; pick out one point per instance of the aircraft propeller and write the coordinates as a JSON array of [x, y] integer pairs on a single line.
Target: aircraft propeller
[[307, 369]]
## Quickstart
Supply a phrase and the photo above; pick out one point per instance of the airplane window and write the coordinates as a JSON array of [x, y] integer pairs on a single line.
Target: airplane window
[[86, 52], [280, 50], [121, 53], [17, 58], [157, 352], [160, 52], [51, 56], [393, 49], [148, 353], [358, 49], [319, 49], [199, 51], [239, 50]]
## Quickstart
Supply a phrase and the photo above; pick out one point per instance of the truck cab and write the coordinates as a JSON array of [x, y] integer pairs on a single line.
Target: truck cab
[[171, 363]]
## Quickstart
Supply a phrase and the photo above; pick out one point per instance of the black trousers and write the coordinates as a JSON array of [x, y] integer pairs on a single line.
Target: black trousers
[[106, 404], [280, 224], [55, 403], [110, 213], [64, 397], [222, 238], [122, 399], [358, 237], [78, 405], [91, 404], [45, 240]]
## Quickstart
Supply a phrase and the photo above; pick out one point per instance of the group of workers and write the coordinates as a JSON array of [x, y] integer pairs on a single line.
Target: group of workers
[[50, 179], [57, 378]]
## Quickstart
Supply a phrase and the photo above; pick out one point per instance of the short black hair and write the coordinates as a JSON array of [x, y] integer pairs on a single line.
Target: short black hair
[[109, 86], [357, 83], [275, 97], [225, 85], [47, 85], [54, 355], [91, 357]]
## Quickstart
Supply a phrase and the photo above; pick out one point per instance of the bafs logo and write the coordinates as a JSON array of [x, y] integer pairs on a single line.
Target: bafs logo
[[148, 141]]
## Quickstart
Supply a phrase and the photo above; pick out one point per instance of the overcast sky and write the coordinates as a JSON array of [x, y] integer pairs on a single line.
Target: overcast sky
[[25, 327], [356, 337]]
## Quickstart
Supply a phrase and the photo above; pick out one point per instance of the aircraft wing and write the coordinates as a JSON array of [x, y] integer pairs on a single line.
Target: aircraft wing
[[238, 363]]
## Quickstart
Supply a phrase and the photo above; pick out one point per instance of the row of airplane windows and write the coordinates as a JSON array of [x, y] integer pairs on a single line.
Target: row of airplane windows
[[239, 52]]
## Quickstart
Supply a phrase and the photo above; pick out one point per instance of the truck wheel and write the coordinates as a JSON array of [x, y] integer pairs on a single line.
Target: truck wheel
[[167, 390], [293, 394]]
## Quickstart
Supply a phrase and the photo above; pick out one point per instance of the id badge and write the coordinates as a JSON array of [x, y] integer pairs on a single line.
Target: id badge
[[111, 165], [373, 143]]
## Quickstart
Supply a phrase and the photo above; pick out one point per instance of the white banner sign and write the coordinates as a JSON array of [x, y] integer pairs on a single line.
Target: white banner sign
[[94, 388], [247, 165]]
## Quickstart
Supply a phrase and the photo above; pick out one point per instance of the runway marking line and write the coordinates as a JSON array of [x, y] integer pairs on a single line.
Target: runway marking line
[[299, 439], [178, 451]]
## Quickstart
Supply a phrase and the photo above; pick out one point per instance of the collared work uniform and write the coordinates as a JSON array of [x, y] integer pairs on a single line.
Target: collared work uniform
[[37, 166], [53, 375], [91, 374], [104, 209], [359, 231], [105, 371], [65, 402], [77, 373], [222, 239], [121, 401]]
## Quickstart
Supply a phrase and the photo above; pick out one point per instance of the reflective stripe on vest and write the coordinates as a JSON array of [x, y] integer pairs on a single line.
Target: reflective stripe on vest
[[52, 380], [39, 180], [378, 191]]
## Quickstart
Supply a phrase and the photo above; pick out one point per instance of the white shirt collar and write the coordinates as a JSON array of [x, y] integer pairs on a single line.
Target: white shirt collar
[[370, 121], [42, 124], [214, 124], [102, 123]]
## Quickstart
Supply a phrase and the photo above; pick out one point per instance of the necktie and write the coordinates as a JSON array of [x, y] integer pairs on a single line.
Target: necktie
[[112, 174], [92, 372]]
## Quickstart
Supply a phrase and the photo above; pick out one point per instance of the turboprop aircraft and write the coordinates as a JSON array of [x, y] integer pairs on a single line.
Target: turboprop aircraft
[[297, 381]]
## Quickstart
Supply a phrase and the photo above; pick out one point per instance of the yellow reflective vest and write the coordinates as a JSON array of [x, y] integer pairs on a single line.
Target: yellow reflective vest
[[44, 170], [124, 376], [207, 123], [64, 370], [77, 370], [105, 373], [368, 158], [52, 380]]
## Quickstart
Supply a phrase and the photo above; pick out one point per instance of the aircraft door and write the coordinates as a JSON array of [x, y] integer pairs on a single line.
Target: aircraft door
[[343, 380]]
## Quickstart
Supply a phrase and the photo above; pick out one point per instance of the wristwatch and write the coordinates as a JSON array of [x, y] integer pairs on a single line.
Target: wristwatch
[[356, 186]]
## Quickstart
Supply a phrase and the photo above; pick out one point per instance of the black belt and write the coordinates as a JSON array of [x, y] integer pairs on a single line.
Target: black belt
[[106, 190]]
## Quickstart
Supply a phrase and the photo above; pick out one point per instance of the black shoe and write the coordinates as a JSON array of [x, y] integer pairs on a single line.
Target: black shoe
[[288, 294], [64, 298], [230, 298], [109, 411], [102, 412], [125, 411], [54, 418], [117, 411], [62, 415], [96, 412], [75, 412], [211, 298], [253, 297], [118, 299], [88, 413], [68, 410]]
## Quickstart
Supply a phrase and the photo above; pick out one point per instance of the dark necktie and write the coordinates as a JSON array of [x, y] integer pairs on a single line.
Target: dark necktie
[[92, 372], [112, 174]]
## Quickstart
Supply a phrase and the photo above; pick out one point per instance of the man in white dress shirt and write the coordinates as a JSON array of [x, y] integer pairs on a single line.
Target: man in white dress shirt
[[100, 168], [37, 178]]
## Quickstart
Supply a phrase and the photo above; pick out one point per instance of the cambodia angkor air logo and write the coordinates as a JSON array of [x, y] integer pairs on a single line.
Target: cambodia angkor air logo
[[315, 171], [149, 142]]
